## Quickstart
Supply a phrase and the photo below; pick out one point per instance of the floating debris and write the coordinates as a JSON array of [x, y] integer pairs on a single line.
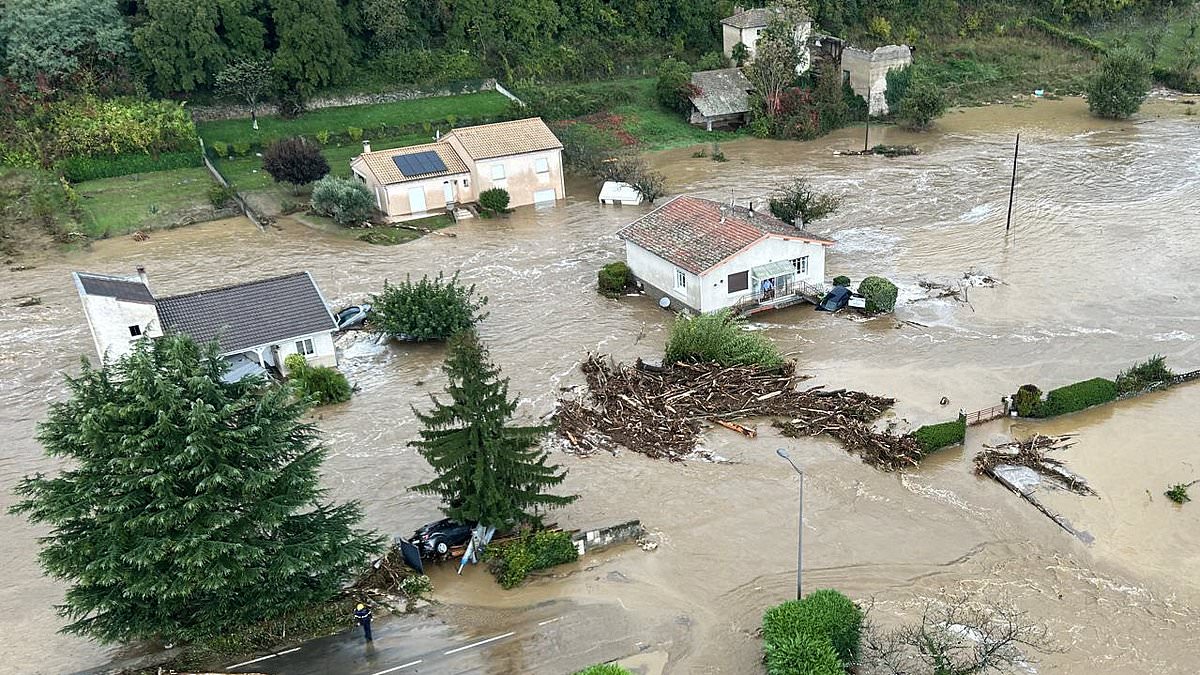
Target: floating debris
[[1022, 466]]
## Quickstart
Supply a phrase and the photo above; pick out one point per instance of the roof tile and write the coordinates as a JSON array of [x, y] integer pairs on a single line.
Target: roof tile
[[506, 138], [382, 164]]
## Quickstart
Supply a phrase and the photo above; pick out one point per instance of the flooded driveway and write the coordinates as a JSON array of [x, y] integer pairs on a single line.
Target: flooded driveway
[[1097, 272]]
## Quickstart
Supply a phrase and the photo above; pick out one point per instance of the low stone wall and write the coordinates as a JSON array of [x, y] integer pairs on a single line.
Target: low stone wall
[[207, 113], [592, 540]]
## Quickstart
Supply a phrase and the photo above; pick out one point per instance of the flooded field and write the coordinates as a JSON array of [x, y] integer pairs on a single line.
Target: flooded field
[[1097, 272]]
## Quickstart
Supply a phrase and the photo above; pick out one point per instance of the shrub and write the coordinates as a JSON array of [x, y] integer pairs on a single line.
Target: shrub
[[1028, 400], [712, 61], [825, 616], [674, 86], [494, 200], [923, 102], [321, 384], [220, 148], [604, 669], [585, 148], [1178, 493], [798, 202], [295, 161], [802, 653], [220, 195], [344, 200], [92, 126], [879, 27], [1078, 396], [241, 148], [721, 338], [897, 85], [841, 280], [355, 133], [1118, 87], [323, 137], [512, 563], [429, 309], [613, 279], [933, 437], [84, 167], [1150, 372], [880, 294]]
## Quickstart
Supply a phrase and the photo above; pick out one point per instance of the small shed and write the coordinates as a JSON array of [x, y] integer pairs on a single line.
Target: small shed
[[614, 192], [720, 98]]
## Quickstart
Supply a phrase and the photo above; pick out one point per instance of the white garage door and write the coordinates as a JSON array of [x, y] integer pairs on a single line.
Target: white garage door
[[543, 196], [416, 200]]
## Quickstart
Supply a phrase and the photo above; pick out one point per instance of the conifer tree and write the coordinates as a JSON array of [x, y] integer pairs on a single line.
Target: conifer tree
[[487, 472], [190, 506]]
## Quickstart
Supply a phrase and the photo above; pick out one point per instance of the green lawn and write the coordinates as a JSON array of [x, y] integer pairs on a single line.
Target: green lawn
[[114, 206], [981, 70], [337, 120]]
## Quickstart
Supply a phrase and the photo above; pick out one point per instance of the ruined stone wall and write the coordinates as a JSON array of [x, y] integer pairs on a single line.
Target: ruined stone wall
[[868, 72]]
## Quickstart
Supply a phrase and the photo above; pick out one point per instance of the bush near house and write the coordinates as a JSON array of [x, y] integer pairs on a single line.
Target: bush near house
[[880, 294], [818, 634], [295, 161], [841, 280], [321, 384], [720, 338], [345, 200], [614, 278], [1078, 396], [932, 437], [494, 200], [429, 309], [1028, 400], [511, 563]]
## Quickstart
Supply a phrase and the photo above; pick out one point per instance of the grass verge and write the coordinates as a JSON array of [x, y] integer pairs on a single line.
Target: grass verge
[[337, 120], [390, 236], [115, 206]]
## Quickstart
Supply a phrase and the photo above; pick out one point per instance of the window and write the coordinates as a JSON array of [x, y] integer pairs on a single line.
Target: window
[[497, 172], [680, 279], [738, 281], [135, 330], [305, 347], [801, 265], [845, 76], [541, 165]]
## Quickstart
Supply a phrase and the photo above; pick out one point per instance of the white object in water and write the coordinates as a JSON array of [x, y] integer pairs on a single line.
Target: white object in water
[[614, 192]]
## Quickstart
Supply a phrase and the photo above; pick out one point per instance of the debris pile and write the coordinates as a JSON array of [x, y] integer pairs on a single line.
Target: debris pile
[[386, 575], [659, 411], [1031, 454]]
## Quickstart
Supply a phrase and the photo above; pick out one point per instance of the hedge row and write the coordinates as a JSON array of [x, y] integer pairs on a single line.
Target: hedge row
[[818, 635], [79, 169], [932, 437], [1068, 399], [1070, 37], [512, 562]]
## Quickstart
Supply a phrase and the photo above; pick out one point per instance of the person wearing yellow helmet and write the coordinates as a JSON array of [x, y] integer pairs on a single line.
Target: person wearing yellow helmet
[[362, 616]]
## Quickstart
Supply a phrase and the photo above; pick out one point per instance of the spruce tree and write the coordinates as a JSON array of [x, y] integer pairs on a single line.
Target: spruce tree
[[487, 472], [189, 506]]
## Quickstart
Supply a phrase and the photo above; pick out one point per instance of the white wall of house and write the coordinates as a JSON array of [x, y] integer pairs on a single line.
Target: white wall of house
[[110, 321], [274, 354], [399, 202], [715, 293], [663, 276], [529, 177], [730, 36]]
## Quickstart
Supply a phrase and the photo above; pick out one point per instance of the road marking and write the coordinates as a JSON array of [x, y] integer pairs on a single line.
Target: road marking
[[246, 663], [293, 649], [392, 670], [476, 644], [543, 623]]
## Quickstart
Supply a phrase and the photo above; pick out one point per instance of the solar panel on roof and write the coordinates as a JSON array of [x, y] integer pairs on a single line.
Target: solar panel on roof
[[419, 163]]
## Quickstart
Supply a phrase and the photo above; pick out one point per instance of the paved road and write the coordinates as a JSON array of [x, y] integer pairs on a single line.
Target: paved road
[[545, 641]]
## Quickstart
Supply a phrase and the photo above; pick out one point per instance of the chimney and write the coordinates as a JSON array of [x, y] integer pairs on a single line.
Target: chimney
[[366, 146], [141, 272], [738, 9], [438, 136], [752, 207]]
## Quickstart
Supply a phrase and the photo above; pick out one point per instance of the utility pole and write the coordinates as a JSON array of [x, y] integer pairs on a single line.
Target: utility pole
[[1012, 188], [867, 135]]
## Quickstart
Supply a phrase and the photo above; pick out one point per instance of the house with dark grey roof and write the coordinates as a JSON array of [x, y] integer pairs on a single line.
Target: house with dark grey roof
[[521, 156], [746, 25], [707, 256], [256, 324], [720, 98]]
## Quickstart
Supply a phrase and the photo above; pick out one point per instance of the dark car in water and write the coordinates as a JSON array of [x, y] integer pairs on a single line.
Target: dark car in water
[[437, 538]]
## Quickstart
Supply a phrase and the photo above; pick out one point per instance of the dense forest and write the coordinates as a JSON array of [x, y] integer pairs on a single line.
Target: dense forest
[[178, 48]]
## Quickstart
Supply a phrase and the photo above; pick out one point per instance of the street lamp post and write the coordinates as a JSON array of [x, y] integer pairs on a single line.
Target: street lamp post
[[800, 533]]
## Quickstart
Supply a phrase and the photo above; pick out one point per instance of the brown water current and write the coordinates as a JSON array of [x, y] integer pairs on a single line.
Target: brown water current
[[1098, 271]]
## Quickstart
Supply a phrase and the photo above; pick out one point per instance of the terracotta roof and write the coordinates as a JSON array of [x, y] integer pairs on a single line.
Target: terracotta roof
[[756, 18], [721, 92], [698, 234], [506, 138], [249, 314], [382, 162], [121, 288]]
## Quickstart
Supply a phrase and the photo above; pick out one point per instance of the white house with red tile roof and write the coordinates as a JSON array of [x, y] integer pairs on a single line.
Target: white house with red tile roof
[[707, 256]]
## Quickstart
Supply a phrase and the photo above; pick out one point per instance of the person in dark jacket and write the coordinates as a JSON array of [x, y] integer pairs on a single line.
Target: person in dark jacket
[[362, 616]]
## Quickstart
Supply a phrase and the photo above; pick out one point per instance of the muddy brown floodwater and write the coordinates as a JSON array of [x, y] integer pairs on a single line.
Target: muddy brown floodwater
[[1099, 271]]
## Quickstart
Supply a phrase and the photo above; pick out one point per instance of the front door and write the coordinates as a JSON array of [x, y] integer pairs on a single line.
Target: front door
[[416, 200], [448, 188]]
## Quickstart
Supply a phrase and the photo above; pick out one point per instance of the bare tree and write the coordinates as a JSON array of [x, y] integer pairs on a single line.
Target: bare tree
[[799, 203], [246, 80], [633, 170], [956, 636]]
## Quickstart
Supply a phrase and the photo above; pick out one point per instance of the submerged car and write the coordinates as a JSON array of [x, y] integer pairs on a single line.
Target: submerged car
[[352, 317], [437, 538]]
